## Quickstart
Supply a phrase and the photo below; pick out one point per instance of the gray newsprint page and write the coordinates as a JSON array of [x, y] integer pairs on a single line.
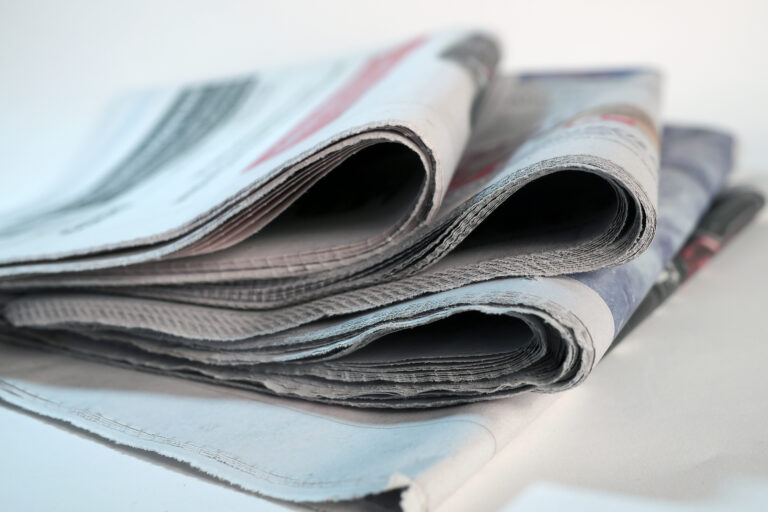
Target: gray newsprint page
[[549, 332], [299, 183], [539, 133], [461, 331]]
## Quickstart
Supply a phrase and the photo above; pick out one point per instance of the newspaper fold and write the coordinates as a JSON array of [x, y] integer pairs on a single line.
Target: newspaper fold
[[313, 453], [297, 184], [461, 331]]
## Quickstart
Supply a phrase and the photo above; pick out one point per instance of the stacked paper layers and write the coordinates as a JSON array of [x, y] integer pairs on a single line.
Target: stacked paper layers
[[403, 229]]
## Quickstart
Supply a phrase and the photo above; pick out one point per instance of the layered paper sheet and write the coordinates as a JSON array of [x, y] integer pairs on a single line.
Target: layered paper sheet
[[459, 332], [304, 452]]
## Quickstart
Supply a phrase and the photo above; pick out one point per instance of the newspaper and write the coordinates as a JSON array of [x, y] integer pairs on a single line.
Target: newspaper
[[402, 229], [290, 450], [301, 183], [461, 331]]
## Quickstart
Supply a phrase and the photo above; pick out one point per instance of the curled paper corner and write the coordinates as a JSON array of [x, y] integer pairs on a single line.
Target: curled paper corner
[[412, 498]]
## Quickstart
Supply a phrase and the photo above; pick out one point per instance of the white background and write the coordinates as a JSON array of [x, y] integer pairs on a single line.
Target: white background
[[680, 438]]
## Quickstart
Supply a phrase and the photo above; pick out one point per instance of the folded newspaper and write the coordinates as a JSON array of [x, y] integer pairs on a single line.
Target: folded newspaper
[[333, 458], [380, 231], [457, 332], [408, 228]]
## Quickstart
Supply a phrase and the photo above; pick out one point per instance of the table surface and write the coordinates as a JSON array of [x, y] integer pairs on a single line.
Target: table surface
[[673, 419]]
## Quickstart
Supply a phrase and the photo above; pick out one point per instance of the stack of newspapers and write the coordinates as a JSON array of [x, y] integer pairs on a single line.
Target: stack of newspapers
[[407, 228]]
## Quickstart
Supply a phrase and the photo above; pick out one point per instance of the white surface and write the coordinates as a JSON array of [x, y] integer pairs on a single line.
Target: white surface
[[674, 418]]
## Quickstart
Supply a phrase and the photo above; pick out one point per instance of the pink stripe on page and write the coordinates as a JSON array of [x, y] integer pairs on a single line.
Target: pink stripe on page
[[371, 73], [458, 182]]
